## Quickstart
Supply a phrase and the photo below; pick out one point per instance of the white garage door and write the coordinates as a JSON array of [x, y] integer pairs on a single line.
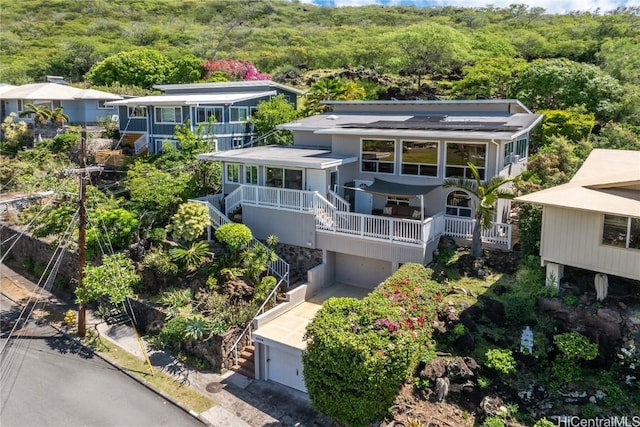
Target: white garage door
[[285, 367]]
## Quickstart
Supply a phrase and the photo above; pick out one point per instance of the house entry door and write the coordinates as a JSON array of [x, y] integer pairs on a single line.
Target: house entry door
[[364, 200]]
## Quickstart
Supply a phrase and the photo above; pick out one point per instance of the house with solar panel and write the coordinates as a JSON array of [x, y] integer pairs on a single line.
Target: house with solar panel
[[221, 109], [362, 184]]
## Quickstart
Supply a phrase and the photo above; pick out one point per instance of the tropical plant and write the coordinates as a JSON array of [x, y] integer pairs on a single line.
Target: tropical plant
[[40, 114], [191, 257], [270, 114], [16, 135], [235, 236], [115, 279], [191, 220], [141, 67], [501, 360], [331, 89], [486, 195], [574, 348], [58, 118]]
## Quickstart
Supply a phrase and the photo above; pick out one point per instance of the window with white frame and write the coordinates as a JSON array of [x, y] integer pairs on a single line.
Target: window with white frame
[[232, 174], [137, 112], [508, 153], [209, 114], [283, 178], [102, 106], [419, 158], [237, 142], [239, 114], [168, 115], [460, 154], [20, 106], [378, 155], [458, 204], [251, 175], [621, 231]]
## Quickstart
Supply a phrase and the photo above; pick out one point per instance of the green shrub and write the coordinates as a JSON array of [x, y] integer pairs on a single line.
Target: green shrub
[[459, 330], [493, 422], [573, 349], [543, 422], [589, 411], [574, 346], [501, 360], [571, 300], [157, 235], [484, 382], [191, 220], [519, 308], [160, 261], [235, 236], [363, 350]]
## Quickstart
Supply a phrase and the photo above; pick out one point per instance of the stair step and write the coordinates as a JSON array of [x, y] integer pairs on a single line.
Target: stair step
[[246, 354]]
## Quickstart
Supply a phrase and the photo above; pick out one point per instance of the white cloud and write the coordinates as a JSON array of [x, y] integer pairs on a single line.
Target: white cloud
[[550, 6]]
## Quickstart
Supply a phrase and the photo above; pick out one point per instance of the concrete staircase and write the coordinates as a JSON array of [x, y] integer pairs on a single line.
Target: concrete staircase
[[246, 362]]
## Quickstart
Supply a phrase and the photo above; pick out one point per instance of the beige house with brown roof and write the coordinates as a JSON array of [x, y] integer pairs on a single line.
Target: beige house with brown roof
[[593, 221]]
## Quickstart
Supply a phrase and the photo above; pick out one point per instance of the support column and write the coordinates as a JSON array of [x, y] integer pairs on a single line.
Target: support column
[[555, 272]]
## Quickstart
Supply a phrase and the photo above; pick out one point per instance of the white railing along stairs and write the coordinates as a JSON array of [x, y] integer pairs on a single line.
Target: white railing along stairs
[[279, 267], [249, 328]]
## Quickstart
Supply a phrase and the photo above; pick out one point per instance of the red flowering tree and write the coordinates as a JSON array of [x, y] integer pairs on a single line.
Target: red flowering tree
[[236, 69]]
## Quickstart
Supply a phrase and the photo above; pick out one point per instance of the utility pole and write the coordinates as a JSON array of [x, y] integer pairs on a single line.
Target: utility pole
[[82, 225], [82, 232]]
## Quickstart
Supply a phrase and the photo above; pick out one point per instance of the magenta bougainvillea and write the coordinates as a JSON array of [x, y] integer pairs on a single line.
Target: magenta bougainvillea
[[236, 69]]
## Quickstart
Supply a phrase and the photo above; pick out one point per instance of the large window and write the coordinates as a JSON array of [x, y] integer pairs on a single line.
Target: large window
[[284, 178], [621, 231], [168, 115], [251, 175], [208, 114], [419, 158], [233, 173], [137, 112], [508, 153], [239, 114], [378, 155], [459, 154], [459, 204]]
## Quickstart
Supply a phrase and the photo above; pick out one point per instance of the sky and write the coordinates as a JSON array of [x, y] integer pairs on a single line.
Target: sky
[[550, 6]]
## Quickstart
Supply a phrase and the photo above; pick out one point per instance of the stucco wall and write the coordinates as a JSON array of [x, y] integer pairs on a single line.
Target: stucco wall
[[360, 271], [293, 228]]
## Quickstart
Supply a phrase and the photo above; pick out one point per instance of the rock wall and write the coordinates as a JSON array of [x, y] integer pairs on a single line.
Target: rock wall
[[300, 260], [27, 250]]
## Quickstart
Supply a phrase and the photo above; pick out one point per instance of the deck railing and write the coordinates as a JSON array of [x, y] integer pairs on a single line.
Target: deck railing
[[337, 201], [497, 233], [279, 268]]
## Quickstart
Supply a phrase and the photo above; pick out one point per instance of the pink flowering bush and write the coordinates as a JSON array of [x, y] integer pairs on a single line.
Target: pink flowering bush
[[236, 69], [363, 350]]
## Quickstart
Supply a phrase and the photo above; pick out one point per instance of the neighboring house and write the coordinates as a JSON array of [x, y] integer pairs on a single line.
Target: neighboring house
[[363, 184], [147, 122], [83, 106], [593, 221]]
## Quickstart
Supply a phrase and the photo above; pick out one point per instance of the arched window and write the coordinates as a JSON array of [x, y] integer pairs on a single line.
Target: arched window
[[459, 204]]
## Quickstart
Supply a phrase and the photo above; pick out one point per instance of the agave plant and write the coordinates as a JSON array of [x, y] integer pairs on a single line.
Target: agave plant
[[191, 257]]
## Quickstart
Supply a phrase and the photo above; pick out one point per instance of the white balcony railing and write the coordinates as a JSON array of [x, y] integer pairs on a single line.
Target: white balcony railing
[[497, 233]]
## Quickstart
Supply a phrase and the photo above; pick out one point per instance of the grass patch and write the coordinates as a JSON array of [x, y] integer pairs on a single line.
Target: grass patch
[[185, 395]]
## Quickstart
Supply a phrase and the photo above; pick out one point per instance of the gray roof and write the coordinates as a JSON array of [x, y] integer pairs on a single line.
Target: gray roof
[[236, 84], [412, 123], [193, 99], [278, 155]]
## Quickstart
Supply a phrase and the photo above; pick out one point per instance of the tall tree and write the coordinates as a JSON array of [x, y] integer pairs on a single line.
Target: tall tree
[[270, 114], [486, 195], [141, 67]]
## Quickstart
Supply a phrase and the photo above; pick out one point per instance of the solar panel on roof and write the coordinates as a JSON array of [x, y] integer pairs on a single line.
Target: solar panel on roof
[[431, 124]]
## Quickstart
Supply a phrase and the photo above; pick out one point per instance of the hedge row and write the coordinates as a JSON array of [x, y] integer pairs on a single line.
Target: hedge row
[[361, 351]]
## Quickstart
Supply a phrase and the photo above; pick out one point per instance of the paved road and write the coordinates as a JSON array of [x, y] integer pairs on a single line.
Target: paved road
[[49, 380]]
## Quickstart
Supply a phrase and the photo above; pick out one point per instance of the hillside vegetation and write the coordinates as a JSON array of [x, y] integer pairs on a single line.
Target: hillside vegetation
[[67, 37]]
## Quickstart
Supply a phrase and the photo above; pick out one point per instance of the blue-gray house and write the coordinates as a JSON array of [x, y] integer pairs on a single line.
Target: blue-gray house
[[147, 122], [83, 106]]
